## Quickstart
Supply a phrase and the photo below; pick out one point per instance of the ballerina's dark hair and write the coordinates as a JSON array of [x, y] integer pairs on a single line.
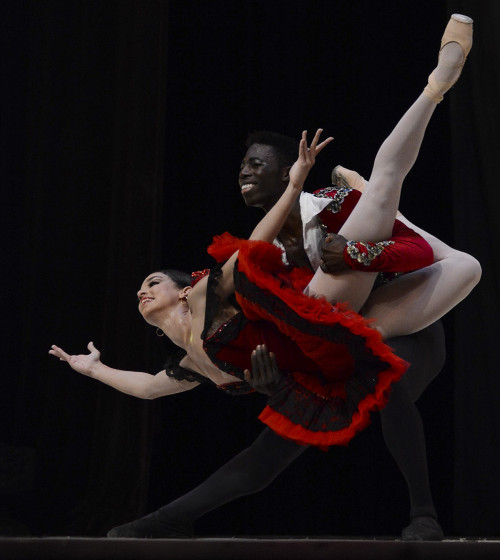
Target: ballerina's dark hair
[[174, 353], [179, 278]]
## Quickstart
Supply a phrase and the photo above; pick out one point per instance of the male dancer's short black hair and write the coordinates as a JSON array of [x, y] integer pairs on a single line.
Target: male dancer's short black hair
[[286, 148]]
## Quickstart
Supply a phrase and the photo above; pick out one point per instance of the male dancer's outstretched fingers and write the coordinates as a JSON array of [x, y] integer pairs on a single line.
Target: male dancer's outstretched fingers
[[265, 374]]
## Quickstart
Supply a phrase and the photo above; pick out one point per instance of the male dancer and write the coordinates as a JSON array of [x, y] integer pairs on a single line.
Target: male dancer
[[263, 177]]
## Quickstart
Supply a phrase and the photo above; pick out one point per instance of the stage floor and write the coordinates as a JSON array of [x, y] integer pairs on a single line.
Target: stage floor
[[264, 548]]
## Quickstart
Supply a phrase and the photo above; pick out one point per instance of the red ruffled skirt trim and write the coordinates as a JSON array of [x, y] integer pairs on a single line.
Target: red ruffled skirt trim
[[355, 368]]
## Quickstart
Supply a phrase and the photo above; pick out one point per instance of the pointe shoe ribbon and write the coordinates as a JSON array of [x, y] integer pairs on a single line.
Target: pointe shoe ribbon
[[458, 30]]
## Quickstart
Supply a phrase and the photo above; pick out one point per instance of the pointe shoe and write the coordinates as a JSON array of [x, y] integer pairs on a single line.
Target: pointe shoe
[[343, 177], [458, 30]]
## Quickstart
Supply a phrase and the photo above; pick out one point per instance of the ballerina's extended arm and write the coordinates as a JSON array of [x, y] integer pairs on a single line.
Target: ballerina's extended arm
[[136, 383]]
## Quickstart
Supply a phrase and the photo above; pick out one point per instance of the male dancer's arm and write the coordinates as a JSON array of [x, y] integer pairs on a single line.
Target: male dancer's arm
[[405, 251], [265, 374]]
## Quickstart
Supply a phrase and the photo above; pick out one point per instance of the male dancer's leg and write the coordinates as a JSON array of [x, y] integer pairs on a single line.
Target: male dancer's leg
[[250, 471], [258, 465], [403, 429]]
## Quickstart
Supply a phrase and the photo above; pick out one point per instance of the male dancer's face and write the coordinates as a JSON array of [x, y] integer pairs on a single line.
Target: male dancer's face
[[261, 179]]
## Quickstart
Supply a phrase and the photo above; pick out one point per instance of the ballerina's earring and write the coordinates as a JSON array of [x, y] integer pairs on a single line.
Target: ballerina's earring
[[159, 332]]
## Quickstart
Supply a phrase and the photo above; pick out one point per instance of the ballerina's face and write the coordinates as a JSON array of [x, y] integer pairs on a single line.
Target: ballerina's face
[[262, 180], [158, 293]]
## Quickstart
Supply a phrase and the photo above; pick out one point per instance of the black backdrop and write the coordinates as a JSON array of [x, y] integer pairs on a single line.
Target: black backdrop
[[123, 125]]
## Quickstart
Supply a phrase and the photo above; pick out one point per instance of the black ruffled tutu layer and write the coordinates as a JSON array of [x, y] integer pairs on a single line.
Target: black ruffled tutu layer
[[342, 370]]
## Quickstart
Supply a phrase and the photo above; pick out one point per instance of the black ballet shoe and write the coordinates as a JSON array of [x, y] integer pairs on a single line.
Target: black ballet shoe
[[153, 526], [424, 528]]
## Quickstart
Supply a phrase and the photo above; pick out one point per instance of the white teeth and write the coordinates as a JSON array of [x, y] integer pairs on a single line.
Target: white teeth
[[247, 186]]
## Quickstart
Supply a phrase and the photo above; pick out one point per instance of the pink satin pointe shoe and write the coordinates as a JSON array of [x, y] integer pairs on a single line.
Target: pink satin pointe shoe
[[458, 30], [343, 177]]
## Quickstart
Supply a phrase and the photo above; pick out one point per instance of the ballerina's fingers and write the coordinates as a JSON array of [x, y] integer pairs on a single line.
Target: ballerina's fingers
[[325, 142], [315, 140], [303, 149], [310, 153], [59, 353]]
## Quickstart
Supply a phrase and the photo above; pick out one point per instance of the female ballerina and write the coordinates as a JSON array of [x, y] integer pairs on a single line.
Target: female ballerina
[[309, 409]]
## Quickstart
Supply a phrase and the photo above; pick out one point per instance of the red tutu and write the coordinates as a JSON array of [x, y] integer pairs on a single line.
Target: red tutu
[[337, 368]]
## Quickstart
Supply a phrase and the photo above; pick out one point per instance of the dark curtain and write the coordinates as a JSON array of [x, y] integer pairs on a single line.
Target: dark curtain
[[123, 124], [83, 112], [476, 206]]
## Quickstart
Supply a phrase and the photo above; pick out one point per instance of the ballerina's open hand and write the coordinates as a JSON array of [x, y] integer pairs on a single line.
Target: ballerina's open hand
[[307, 158], [83, 363]]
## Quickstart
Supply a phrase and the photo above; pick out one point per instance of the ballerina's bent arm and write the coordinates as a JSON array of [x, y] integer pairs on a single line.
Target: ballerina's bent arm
[[270, 225]]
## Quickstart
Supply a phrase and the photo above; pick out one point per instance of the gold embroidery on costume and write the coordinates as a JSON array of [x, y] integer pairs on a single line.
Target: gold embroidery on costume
[[337, 199], [365, 253]]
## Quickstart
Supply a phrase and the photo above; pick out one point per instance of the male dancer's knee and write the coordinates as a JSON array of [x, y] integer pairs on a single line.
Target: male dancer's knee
[[426, 353]]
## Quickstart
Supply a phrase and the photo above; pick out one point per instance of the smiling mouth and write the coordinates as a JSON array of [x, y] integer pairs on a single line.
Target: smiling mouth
[[146, 300], [247, 187]]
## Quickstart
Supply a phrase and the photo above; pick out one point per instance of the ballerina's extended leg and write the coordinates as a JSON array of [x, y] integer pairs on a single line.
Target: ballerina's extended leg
[[373, 217], [455, 46]]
